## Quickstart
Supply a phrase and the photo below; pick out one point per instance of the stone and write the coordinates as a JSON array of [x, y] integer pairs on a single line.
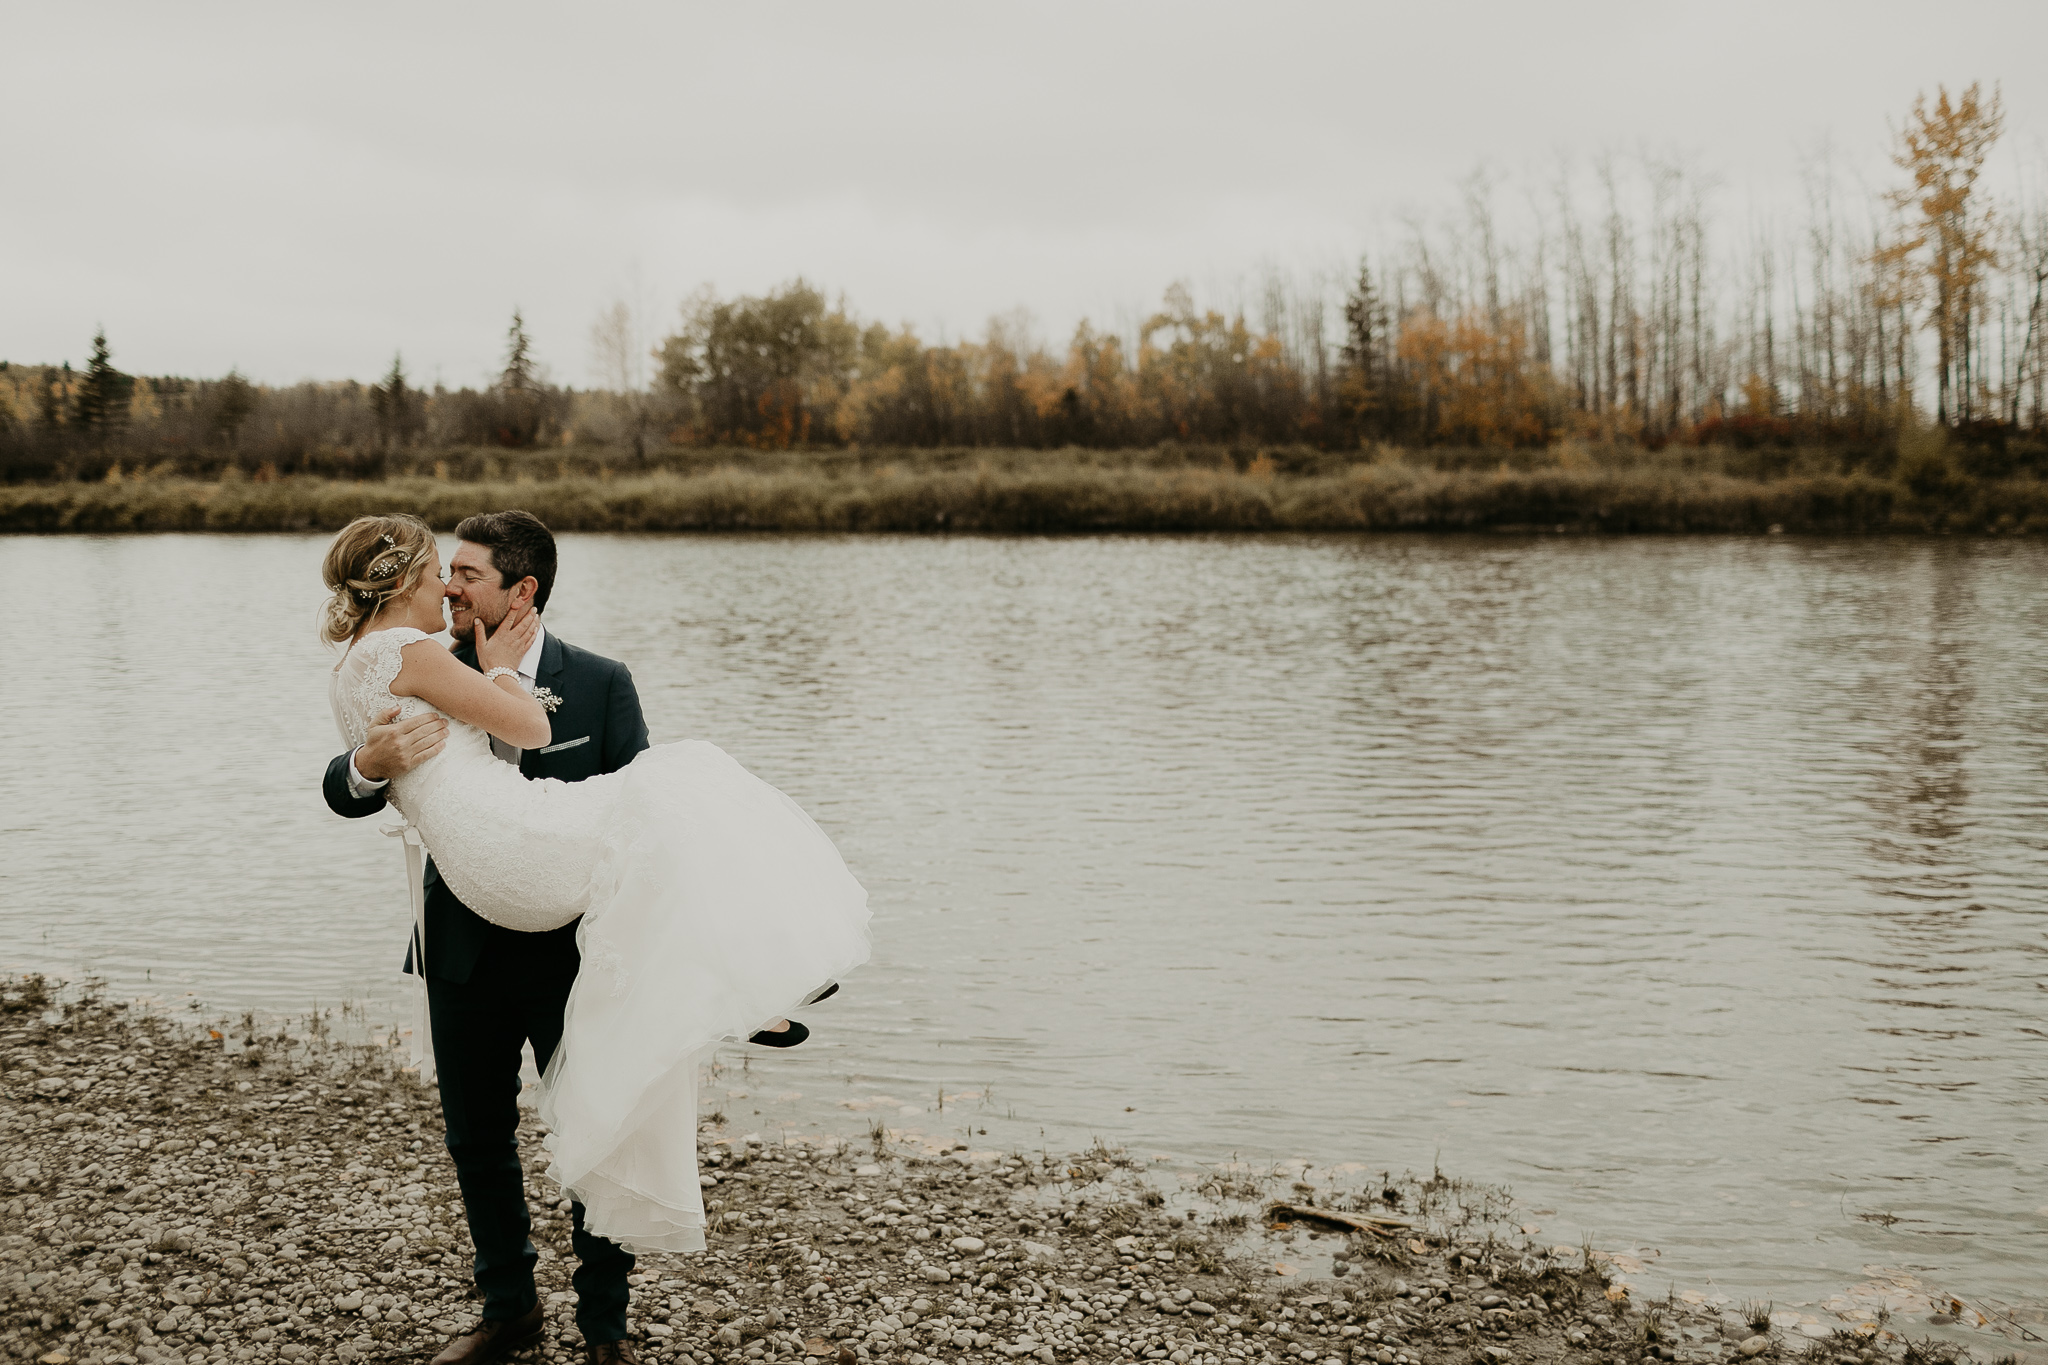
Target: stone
[[1755, 1346], [259, 1216]]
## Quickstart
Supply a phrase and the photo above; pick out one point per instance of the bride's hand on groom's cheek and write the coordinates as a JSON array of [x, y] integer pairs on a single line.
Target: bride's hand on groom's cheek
[[506, 645], [394, 747]]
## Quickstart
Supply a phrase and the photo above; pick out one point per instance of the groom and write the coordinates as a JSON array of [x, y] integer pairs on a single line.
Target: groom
[[490, 989]]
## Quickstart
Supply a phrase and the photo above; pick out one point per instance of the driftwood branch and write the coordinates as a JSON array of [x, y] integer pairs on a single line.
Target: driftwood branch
[[1378, 1224]]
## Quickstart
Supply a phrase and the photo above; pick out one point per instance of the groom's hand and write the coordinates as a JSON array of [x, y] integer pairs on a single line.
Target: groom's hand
[[393, 750]]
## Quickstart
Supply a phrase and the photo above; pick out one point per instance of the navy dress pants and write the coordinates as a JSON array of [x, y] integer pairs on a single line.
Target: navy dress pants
[[478, 1026]]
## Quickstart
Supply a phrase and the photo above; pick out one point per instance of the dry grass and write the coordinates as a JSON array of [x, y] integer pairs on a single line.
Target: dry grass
[[1061, 498]]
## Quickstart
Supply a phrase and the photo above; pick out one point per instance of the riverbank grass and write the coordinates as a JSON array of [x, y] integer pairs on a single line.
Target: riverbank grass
[[1056, 498]]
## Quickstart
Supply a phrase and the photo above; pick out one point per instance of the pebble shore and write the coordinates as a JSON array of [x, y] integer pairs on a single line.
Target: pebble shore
[[178, 1191]]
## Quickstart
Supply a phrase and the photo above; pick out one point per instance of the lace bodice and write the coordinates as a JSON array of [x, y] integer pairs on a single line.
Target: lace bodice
[[361, 687]]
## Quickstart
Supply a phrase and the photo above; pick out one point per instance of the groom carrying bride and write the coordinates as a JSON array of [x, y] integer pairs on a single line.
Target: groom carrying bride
[[491, 989], [625, 908]]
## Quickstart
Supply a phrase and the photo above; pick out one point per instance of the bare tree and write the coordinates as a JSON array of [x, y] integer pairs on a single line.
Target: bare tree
[[2030, 236], [618, 357]]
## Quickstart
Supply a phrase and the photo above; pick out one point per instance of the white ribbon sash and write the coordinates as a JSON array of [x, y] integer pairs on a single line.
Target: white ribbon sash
[[415, 882]]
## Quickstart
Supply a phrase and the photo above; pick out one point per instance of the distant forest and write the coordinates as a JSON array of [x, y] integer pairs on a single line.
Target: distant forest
[[1620, 327]]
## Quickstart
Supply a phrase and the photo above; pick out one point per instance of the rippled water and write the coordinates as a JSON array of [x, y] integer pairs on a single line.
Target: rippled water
[[1693, 888]]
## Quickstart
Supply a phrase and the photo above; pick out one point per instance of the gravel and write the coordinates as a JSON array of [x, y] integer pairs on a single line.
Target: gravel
[[178, 1192]]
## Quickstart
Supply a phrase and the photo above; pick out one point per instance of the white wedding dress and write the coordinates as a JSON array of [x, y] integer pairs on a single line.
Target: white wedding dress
[[711, 905]]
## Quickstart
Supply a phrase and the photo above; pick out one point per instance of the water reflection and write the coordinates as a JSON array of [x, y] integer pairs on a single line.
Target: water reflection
[[1690, 887]]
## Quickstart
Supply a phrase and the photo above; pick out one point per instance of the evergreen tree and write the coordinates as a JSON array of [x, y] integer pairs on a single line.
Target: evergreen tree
[[233, 399], [518, 373], [102, 405], [1367, 331], [394, 404], [520, 402]]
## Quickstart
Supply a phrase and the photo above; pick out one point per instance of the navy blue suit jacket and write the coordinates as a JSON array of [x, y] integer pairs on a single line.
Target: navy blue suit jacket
[[597, 728]]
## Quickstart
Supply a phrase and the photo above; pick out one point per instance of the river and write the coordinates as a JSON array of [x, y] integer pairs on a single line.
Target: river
[[1691, 888]]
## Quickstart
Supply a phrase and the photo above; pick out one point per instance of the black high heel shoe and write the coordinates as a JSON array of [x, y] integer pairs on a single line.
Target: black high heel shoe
[[788, 1037], [831, 989]]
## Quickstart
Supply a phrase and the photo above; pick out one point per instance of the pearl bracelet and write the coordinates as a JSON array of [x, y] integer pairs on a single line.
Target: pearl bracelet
[[498, 673]]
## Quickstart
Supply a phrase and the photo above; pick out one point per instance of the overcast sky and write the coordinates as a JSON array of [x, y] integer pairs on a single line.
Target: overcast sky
[[300, 190]]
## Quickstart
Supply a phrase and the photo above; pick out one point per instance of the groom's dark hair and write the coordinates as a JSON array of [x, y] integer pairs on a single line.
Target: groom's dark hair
[[520, 546]]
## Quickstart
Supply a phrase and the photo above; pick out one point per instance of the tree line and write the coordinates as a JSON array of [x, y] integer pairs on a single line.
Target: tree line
[[58, 422], [1627, 325]]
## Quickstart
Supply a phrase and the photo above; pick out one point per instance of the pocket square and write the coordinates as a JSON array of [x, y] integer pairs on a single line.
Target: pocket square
[[565, 744]]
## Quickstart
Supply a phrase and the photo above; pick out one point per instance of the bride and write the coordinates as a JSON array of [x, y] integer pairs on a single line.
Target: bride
[[710, 903]]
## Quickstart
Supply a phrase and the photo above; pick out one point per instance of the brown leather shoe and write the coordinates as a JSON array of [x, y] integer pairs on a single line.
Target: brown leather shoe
[[493, 1339], [611, 1353]]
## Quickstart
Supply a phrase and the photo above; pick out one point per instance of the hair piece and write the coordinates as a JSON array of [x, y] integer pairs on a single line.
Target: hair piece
[[371, 561]]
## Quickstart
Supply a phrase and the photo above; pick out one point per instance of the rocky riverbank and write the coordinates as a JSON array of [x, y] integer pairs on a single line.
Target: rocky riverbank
[[178, 1191]]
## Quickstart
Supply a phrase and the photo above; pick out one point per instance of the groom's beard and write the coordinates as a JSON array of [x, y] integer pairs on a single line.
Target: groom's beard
[[464, 632]]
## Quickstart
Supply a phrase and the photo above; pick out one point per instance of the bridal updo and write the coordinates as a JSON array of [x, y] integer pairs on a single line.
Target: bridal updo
[[372, 561]]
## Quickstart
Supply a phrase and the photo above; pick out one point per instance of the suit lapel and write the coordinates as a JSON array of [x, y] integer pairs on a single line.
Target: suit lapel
[[550, 669], [547, 673]]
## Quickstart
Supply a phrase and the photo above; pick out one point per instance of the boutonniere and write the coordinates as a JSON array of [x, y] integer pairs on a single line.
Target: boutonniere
[[547, 699]]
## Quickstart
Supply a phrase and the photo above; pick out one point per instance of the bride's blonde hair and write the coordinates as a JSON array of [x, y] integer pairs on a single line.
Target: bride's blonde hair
[[372, 560]]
